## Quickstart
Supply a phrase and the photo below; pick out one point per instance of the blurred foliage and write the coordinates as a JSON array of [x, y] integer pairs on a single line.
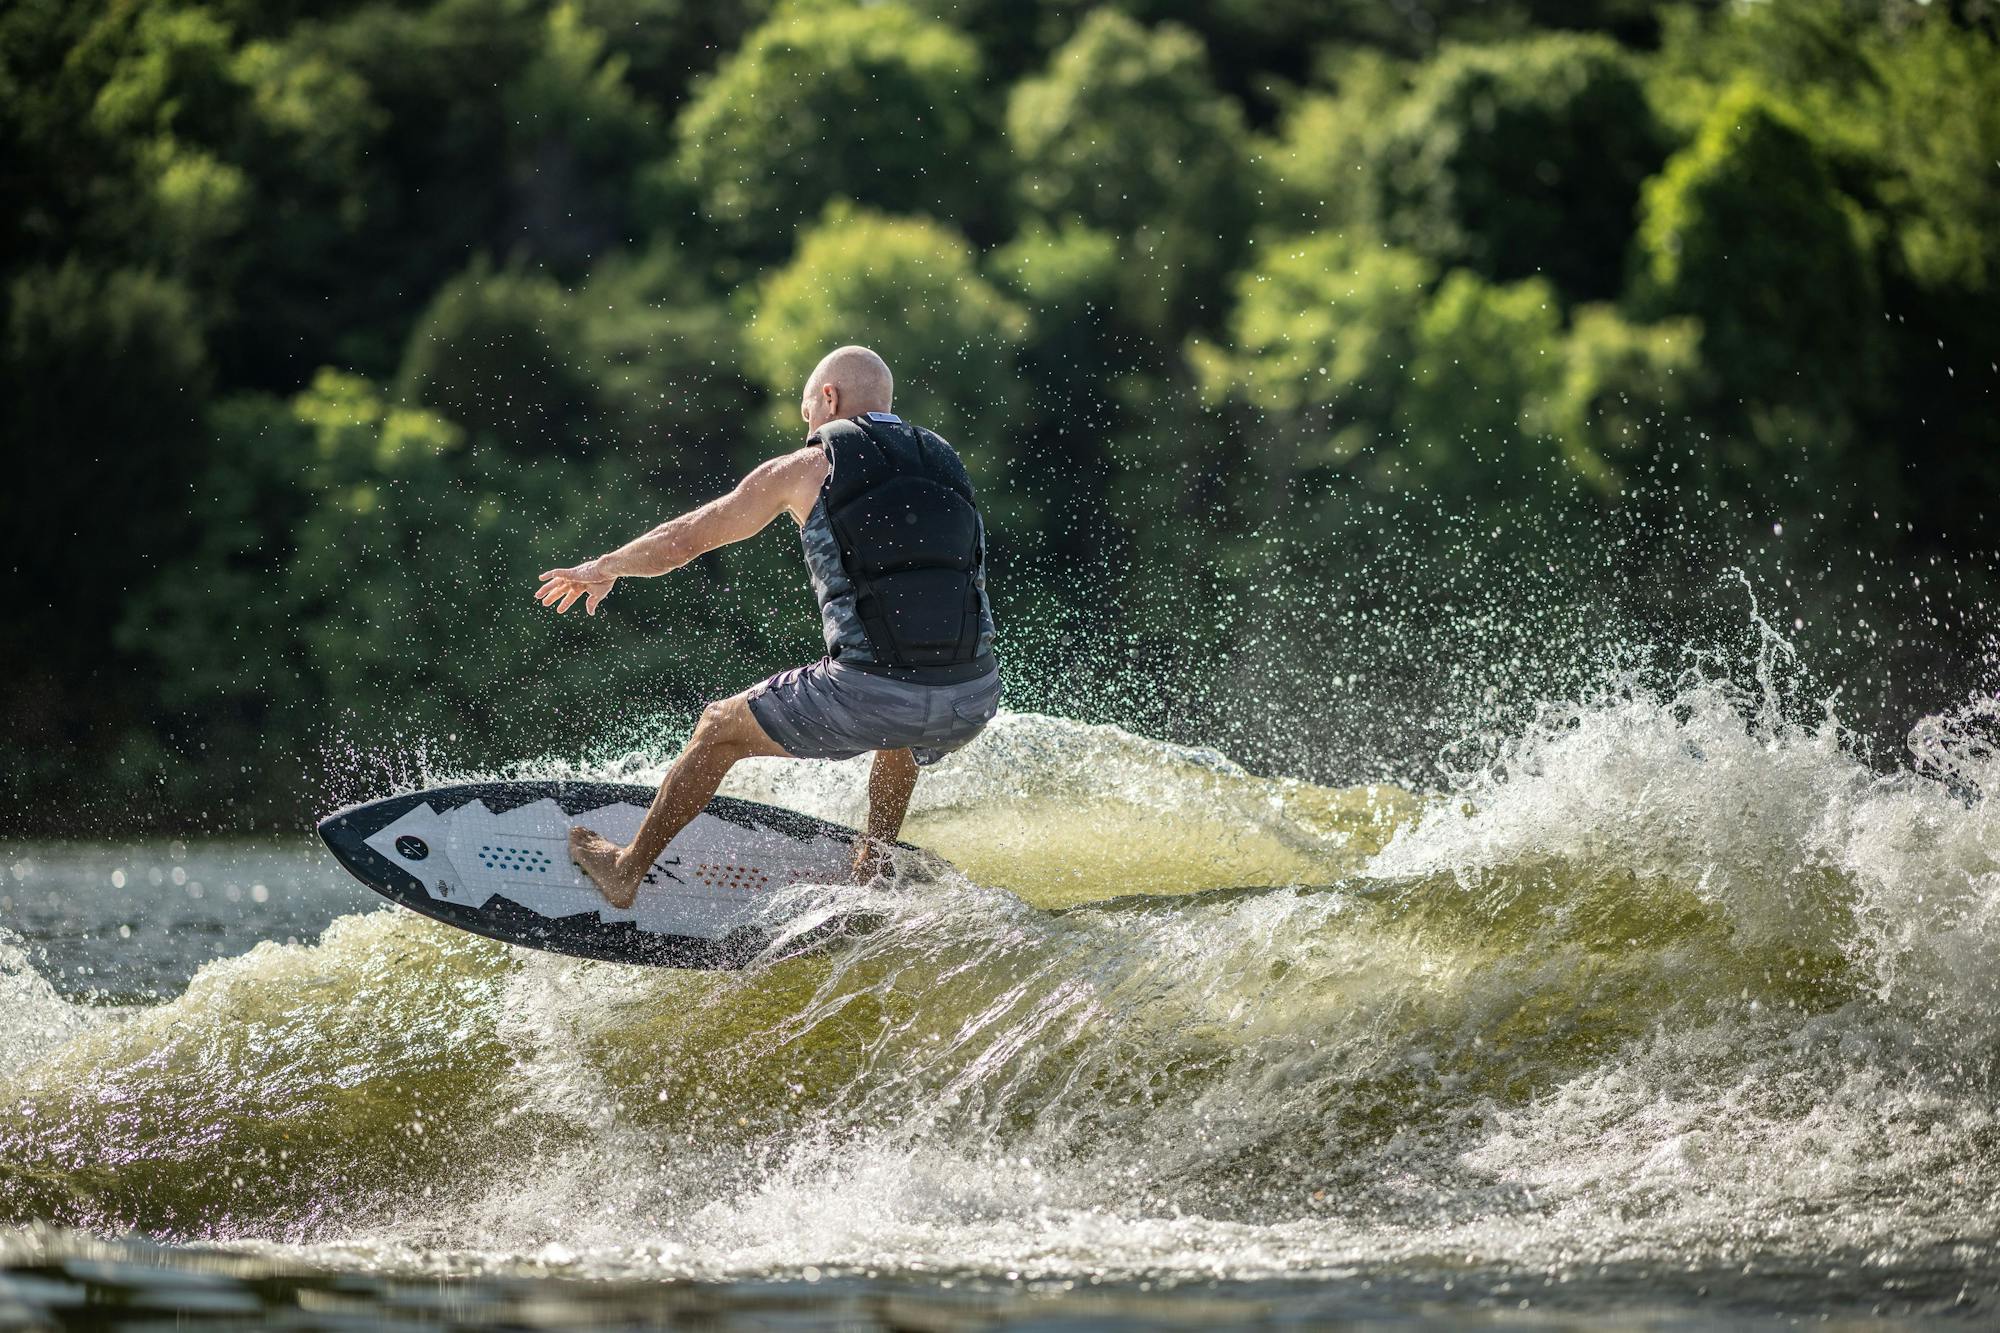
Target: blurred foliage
[[874, 103], [1746, 230], [1321, 343], [1520, 158], [114, 490], [329, 323], [1125, 133], [1624, 392], [911, 289]]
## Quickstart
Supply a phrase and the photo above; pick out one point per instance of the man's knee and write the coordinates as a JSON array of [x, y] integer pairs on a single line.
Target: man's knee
[[712, 728], [725, 729]]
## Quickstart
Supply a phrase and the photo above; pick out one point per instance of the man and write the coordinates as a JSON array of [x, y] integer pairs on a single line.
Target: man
[[896, 550]]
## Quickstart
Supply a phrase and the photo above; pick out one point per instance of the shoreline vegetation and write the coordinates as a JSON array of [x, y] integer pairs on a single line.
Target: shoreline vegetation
[[1284, 341]]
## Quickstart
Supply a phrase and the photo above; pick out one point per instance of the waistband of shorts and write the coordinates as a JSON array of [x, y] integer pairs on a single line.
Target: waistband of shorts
[[957, 673]]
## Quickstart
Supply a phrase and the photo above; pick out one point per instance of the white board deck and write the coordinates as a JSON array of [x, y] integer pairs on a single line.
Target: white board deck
[[493, 858]]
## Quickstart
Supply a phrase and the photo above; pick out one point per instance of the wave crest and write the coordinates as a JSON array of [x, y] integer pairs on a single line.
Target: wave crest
[[1663, 962]]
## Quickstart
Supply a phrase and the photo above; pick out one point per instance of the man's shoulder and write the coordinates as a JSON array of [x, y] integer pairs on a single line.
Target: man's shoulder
[[797, 477], [788, 471], [807, 455]]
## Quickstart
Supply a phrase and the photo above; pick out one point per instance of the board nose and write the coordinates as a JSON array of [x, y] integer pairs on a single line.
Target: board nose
[[329, 830], [343, 837]]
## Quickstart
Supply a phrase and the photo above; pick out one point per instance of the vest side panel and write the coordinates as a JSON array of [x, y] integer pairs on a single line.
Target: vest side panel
[[840, 622]]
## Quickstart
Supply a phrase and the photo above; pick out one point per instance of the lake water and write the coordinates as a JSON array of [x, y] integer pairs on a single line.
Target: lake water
[[1669, 1018]]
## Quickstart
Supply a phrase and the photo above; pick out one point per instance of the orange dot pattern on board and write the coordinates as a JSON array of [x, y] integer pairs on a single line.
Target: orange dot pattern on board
[[731, 877]]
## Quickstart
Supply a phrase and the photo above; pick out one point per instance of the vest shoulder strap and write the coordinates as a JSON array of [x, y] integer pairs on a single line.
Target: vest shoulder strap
[[857, 456]]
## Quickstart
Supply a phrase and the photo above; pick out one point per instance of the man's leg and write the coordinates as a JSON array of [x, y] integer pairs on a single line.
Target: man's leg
[[891, 779], [728, 731]]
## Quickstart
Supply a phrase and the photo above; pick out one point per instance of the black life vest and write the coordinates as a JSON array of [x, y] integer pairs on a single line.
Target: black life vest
[[899, 516]]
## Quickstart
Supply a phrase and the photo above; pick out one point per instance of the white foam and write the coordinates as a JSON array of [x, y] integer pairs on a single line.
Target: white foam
[[34, 1019], [1669, 978]]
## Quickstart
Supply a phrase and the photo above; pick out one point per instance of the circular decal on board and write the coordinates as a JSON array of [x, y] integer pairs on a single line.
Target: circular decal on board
[[412, 848]]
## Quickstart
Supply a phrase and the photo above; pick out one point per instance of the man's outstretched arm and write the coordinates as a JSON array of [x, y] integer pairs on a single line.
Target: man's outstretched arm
[[789, 483]]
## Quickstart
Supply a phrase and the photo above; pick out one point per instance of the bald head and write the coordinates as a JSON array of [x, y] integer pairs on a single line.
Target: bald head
[[847, 382]]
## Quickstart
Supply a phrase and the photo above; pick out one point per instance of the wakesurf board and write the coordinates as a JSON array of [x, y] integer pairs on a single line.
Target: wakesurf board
[[493, 858]]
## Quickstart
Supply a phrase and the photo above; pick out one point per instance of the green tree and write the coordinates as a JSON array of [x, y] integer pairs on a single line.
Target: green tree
[[1485, 355], [219, 626], [874, 104], [637, 358], [1746, 230], [168, 98], [1282, 38], [1898, 102], [910, 289], [1014, 36], [397, 549], [45, 139], [296, 279], [1243, 275], [1350, 361], [1902, 103], [577, 133], [1625, 392], [667, 359], [1070, 414], [1519, 159], [666, 44], [1067, 278], [1321, 339], [500, 353], [529, 144], [1313, 169], [1938, 114], [1126, 133], [363, 586], [1305, 391], [1069, 274], [103, 374]]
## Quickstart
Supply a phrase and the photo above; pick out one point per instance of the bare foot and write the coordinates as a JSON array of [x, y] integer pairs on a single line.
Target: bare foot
[[602, 860], [872, 859]]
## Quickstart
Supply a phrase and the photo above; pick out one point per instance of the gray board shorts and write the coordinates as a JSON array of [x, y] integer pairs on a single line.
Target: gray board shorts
[[831, 711]]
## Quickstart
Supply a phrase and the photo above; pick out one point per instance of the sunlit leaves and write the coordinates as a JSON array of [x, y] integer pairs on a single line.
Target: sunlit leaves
[[1125, 133], [1746, 229], [868, 103], [912, 290]]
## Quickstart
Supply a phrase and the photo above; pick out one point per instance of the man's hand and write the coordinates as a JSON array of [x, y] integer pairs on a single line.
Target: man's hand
[[561, 587]]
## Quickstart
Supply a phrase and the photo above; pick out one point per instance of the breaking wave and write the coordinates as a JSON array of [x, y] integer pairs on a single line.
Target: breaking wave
[[1664, 973]]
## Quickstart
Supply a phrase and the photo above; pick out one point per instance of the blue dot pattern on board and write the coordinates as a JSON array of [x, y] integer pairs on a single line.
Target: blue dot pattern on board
[[525, 859]]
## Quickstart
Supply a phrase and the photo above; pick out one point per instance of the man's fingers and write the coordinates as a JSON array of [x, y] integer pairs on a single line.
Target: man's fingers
[[561, 587]]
